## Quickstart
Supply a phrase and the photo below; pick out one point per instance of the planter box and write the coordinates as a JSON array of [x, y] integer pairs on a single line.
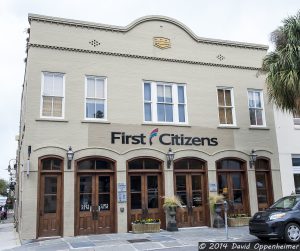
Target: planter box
[[238, 222], [145, 228]]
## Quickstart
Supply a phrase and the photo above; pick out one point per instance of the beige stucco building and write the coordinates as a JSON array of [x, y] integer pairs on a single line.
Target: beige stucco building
[[121, 97]]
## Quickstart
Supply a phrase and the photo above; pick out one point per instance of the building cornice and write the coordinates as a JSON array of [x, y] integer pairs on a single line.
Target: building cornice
[[126, 55], [113, 28]]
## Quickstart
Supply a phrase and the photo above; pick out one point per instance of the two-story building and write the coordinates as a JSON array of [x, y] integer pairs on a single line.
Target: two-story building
[[119, 101]]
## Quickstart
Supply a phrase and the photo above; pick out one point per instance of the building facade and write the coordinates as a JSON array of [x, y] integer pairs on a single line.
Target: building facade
[[122, 98], [288, 133]]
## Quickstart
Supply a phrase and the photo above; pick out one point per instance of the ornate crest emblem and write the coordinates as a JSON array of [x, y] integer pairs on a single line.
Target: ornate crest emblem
[[162, 42]]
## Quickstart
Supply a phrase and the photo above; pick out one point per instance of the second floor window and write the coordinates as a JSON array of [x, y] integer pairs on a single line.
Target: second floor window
[[96, 102], [164, 102], [52, 95], [226, 106], [256, 108]]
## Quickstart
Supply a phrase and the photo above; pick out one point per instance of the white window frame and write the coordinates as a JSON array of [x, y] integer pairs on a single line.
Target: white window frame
[[105, 99], [232, 105], [262, 107], [63, 97], [175, 103]]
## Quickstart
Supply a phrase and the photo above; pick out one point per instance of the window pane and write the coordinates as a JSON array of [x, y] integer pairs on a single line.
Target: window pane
[[100, 88], [136, 201], [46, 164], [160, 112], [251, 99], [196, 164], [90, 92], [136, 164], [181, 94], [222, 182], [147, 111], [181, 113], [160, 93], [99, 109], [181, 164], [236, 181], [196, 182], [47, 106], [197, 199], [221, 97], [50, 185], [57, 107], [259, 117], [296, 161], [252, 116], [180, 183], [260, 180], [257, 99], [86, 165], [168, 94], [222, 115], [90, 109], [262, 196], [135, 183], [56, 164], [103, 164], [152, 188], [238, 196], [86, 184], [58, 85], [48, 84], [169, 113], [49, 204], [104, 202], [151, 164], [297, 183], [147, 92], [229, 115], [228, 97], [85, 202]]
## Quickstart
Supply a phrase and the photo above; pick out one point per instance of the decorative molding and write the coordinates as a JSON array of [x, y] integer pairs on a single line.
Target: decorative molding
[[220, 57], [162, 42], [116, 54], [94, 43], [112, 28]]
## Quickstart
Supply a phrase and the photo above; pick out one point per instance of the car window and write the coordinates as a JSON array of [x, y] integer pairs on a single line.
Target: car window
[[286, 202]]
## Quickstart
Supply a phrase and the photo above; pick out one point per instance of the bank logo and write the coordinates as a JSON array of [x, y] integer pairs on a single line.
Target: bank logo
[[152, 135]]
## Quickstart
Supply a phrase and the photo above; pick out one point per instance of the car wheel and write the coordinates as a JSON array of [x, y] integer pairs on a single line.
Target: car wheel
[[263, 238], [292, 232]]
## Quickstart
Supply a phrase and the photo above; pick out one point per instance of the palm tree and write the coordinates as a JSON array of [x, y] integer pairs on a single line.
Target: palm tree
[[282, 66]]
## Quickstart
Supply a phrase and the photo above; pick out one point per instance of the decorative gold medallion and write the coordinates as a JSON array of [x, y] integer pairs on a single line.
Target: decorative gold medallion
[[162, 42]]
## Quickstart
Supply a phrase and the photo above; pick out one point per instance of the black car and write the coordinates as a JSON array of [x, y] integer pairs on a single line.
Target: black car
[[281, 220]]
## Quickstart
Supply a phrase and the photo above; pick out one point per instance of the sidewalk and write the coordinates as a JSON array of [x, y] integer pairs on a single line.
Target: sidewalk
[[8, 236], [183, 240]]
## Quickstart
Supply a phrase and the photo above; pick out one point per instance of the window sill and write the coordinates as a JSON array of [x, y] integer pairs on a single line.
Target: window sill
[[228, 127], [166, 124], [259, 128], [52, 120], [95, 121]]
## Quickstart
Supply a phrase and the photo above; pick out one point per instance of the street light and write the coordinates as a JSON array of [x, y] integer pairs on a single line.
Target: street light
[[70, 155], [170, 157], [253, 157]]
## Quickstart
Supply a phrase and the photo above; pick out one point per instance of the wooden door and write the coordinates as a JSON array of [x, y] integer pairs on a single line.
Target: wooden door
[[95, 204], [50, 205], [232, 186], [190, 188], [145, 197], [264, 196]]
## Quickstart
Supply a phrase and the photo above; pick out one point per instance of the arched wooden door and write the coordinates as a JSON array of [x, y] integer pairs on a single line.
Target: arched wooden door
[[50, 197], [95, 196], [190, 184], [145, 190], [232, 183], [264, 186]]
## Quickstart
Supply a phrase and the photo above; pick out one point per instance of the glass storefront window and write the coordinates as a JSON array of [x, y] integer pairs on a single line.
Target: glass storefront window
[[297, 182]]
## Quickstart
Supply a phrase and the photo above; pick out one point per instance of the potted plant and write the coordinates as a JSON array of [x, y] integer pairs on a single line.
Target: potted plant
[[238, 220], [170, 205], [145, 226], [215, 202]]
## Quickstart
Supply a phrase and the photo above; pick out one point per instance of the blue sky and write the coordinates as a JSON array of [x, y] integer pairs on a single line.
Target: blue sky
[[239, 20]]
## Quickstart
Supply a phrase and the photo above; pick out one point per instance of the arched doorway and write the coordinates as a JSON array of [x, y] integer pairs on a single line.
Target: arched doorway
[[190, 184], [145, 190], [95, 196], [263, 183], [232, 183], [50, 197]]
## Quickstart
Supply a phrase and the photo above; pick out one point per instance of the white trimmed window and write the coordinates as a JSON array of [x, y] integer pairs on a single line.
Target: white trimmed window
[[95, 98], [256, 108], [52, 95], [296, 118], [296, 171], [226, 106], [165, 103]]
